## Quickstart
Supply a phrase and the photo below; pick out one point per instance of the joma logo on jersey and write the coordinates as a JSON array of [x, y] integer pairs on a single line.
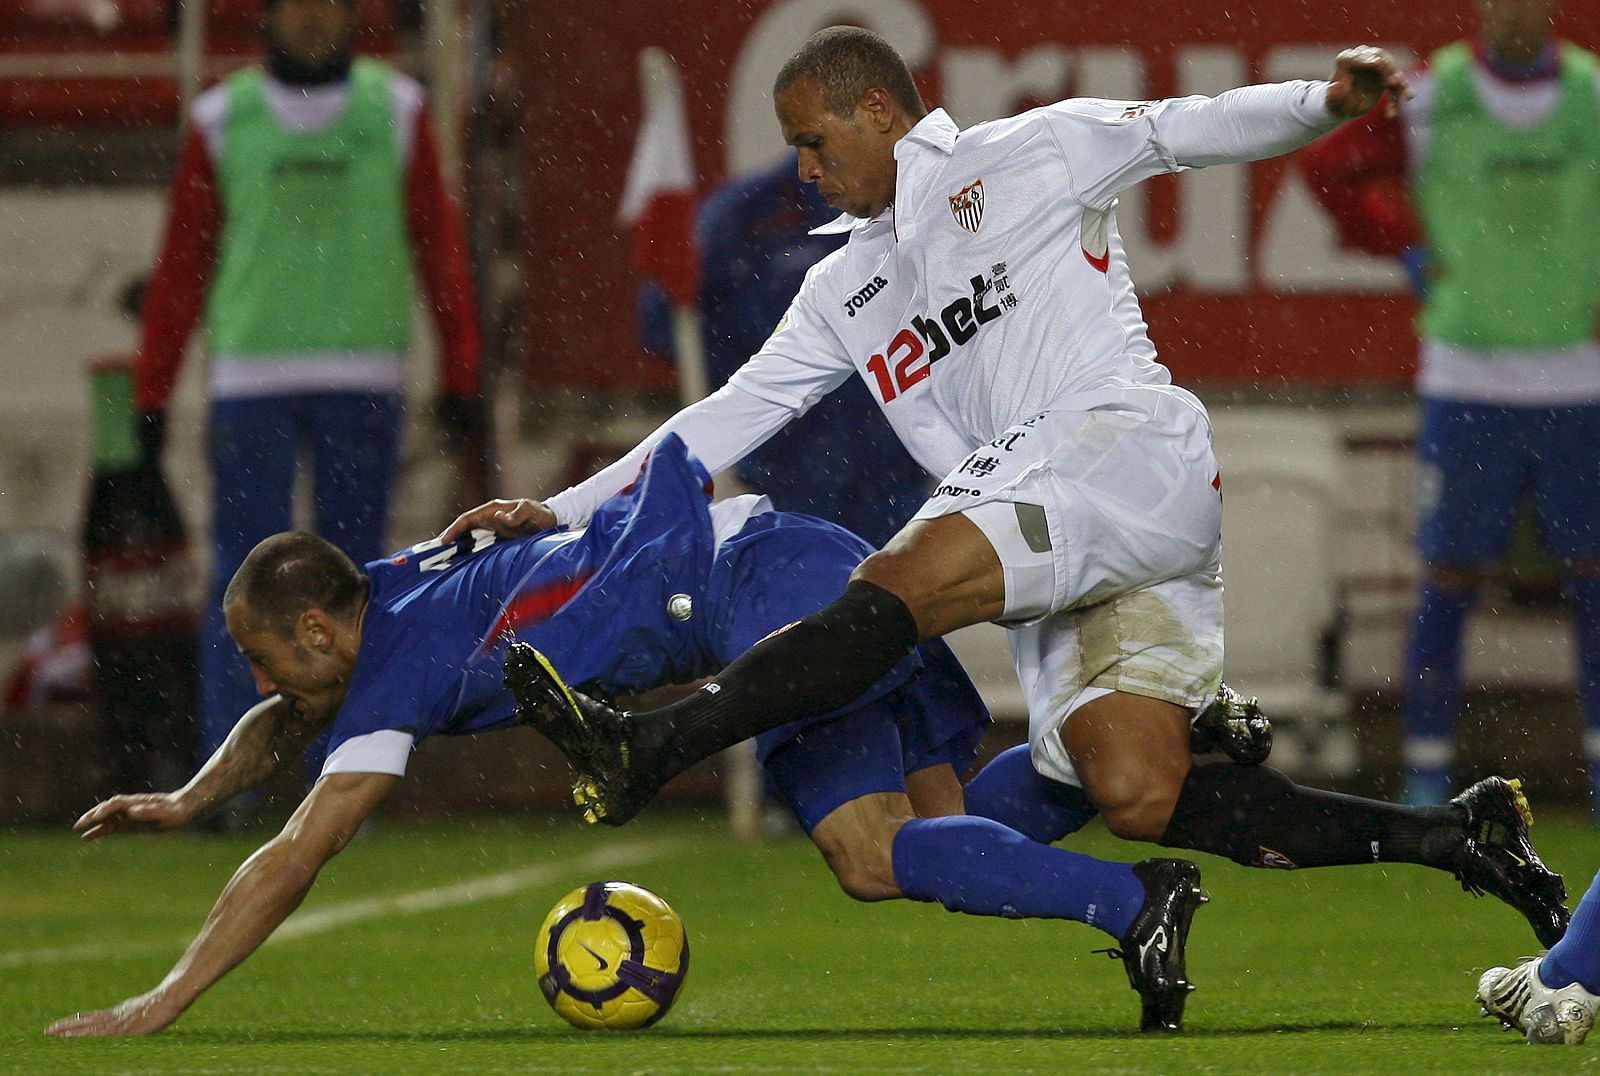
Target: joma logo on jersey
[[864, 295], [910, 356]]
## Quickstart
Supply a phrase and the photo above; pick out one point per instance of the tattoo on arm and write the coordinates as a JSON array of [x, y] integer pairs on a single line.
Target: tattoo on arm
[[269, 736]]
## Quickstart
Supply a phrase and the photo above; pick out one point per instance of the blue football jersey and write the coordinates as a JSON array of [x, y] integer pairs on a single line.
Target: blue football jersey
[[644, 596], [595, 601]]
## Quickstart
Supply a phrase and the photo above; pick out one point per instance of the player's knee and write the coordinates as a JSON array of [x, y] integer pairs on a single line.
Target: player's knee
[[864, 883], [1135, 797], [863, 865], [865, 874], [1131, 755], [1144, 819]]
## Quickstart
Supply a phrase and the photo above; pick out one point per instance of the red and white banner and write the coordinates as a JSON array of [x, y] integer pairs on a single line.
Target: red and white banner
[[1241, 276], [658, 199]]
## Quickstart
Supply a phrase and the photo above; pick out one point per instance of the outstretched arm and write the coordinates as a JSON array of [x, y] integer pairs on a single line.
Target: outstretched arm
[[1263, 121], [269, 735], [263, 891], [720, 430], [1112, 145]]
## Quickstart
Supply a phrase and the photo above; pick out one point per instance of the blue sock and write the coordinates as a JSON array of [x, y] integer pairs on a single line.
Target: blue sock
[[1583, 592], [1576, 957], [1433, 692], [980, 867], [1010, 791]]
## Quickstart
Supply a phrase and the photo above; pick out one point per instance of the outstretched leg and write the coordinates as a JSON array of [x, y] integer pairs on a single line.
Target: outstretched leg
[[1131, 755], [879, 851], [935, 576], [876, 790]]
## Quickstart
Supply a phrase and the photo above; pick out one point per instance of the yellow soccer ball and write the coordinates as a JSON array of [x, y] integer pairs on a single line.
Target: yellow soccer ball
[[611, 955]]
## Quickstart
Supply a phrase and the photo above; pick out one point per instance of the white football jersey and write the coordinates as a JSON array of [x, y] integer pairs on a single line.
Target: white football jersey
[[992, 289]]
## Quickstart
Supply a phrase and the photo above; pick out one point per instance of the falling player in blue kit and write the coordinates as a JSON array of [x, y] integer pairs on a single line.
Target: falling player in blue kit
[[661, 587]]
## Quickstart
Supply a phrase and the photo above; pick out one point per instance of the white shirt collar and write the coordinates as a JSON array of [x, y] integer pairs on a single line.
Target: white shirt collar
[[839, 225], [936, 131], [920, 155]]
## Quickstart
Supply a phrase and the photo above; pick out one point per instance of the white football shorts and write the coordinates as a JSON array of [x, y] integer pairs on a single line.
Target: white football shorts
[[1108, 524]]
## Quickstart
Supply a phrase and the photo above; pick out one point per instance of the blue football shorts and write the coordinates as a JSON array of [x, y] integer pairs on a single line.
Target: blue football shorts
[[1475, 463], [936, 719], [924, 712]]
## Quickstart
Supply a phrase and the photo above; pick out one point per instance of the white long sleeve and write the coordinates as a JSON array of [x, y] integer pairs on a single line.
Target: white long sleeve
[[1111, 145], [1246, 124], [719, 431]]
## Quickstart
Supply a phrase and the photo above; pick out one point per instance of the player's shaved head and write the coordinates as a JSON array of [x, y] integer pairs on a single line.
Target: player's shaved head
[[290, 573], [844, 62]]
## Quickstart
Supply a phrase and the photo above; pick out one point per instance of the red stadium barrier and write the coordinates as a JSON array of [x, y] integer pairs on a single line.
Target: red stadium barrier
[[1239, 284], [112, 63]]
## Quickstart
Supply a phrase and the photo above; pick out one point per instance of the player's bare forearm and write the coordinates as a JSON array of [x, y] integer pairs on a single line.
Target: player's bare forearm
[[268, 736], [263, 891], [257, 899]]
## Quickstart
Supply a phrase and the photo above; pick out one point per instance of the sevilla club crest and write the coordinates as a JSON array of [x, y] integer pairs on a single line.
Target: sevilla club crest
[[967, 206]]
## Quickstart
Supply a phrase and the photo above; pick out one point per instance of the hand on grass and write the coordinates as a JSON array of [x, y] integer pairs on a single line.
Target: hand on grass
[[142, 1015]]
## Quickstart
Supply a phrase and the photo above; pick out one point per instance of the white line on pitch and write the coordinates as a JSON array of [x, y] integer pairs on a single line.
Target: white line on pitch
[[333, 916]]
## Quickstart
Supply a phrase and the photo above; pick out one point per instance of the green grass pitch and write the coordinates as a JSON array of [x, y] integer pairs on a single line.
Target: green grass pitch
[[412, 954]]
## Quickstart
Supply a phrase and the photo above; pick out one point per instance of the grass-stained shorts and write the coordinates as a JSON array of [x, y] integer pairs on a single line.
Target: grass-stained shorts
[[1107, 519]]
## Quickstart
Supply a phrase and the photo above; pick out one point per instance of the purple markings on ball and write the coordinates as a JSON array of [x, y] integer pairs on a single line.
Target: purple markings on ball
[[594, 901]]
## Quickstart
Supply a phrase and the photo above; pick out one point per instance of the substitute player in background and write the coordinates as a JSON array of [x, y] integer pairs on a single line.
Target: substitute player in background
[[1487, 185], [305, 194], [659, 589], [984, 298]]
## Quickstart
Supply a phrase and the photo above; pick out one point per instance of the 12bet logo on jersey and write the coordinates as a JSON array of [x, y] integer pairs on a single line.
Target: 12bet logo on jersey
[[912, 352]]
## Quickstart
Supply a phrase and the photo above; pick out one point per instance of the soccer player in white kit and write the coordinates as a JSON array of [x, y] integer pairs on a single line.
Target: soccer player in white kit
[[984, 298]]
